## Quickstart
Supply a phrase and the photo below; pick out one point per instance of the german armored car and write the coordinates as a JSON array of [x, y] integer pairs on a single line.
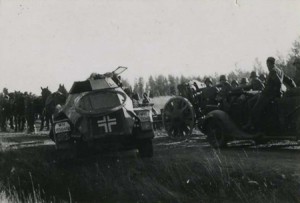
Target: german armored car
[[98, 114]]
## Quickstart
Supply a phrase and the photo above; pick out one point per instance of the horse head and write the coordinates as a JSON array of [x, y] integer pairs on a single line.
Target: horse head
[[62, 90], [45, 93]]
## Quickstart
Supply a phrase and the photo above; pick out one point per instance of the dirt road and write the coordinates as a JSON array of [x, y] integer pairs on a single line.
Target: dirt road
[[276, 155]]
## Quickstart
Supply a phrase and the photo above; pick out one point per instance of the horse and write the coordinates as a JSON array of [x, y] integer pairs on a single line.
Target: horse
[[18, 110], [56, 98], [6, 114], [39, 107]]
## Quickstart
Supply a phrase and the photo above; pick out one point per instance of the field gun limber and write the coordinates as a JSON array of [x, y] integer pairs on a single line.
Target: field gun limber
[[221, 115], [183, 112]]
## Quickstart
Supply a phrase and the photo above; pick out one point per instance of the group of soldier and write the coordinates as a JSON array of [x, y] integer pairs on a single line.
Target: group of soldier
[[20, 110], [16, 110], [270, 86]]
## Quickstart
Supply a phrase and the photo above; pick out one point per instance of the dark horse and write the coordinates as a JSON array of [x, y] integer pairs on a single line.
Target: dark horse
[[39, 107], [52, 101], [18, 110]]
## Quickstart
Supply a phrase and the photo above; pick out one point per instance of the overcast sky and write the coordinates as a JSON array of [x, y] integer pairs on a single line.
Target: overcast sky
[[44, 43]]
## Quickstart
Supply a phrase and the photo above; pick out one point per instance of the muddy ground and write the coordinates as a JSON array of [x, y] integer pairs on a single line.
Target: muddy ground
[[181, 171]]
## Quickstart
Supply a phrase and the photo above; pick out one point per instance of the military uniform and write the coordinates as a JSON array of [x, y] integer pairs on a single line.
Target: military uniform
[[297, 75], [272, 90], [257, 84]]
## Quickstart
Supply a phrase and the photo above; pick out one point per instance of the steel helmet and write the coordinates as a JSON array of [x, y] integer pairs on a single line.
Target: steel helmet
[[253, 74], [244, 81], [223, 78]]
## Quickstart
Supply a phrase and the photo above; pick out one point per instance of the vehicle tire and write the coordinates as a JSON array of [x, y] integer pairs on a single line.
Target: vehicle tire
[[216, 134], [145, 148], [178, 117]]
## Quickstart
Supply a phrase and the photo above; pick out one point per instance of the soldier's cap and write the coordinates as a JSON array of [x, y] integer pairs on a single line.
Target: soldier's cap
[[296, 61], [271, 59]]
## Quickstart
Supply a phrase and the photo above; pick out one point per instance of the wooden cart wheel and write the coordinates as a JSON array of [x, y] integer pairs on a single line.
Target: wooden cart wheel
[[178, 117]]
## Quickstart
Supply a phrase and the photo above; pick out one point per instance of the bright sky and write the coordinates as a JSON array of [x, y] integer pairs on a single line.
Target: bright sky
[[44, 43]]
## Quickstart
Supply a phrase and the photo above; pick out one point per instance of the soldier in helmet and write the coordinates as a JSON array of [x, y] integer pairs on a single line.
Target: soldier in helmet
[[296, 63], [208, 82], [146, 99], [234, 84], [262, 78], [272, 91], [224, 84], [225, 88], [255, 83], [244, 81]]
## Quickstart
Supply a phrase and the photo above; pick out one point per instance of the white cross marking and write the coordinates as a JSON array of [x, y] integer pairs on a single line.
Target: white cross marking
[[107, 123]]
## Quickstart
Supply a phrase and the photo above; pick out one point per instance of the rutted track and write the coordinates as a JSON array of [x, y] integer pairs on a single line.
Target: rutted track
[[276, 154]]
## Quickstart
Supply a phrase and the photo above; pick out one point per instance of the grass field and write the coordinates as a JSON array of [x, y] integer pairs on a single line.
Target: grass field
[[38, 175]]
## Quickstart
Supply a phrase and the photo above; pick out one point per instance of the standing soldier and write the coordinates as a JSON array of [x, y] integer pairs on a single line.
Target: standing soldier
[[297, 75], [272, 91]]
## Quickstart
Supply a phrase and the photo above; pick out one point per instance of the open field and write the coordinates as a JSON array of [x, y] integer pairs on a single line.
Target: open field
[[186, 170]]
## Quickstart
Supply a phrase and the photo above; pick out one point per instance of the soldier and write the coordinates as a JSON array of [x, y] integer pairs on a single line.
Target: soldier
[[244, 81], [296, 63], [262, 78], [255, 83], [234, 84], [135, 99], [272, 91], [224, 84], [146, 99], [208, 82], [225, 88]]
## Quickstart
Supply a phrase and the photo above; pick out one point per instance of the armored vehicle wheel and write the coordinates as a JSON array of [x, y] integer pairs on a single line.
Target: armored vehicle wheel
[[215, 133], [145, 148], [178, 117]]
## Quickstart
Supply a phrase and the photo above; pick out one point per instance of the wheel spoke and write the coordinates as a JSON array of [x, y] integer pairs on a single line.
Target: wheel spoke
[[186, 130], [182, 109]]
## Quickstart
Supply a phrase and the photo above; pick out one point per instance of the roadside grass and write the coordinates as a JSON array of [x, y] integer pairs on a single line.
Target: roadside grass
[[39, 175]]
